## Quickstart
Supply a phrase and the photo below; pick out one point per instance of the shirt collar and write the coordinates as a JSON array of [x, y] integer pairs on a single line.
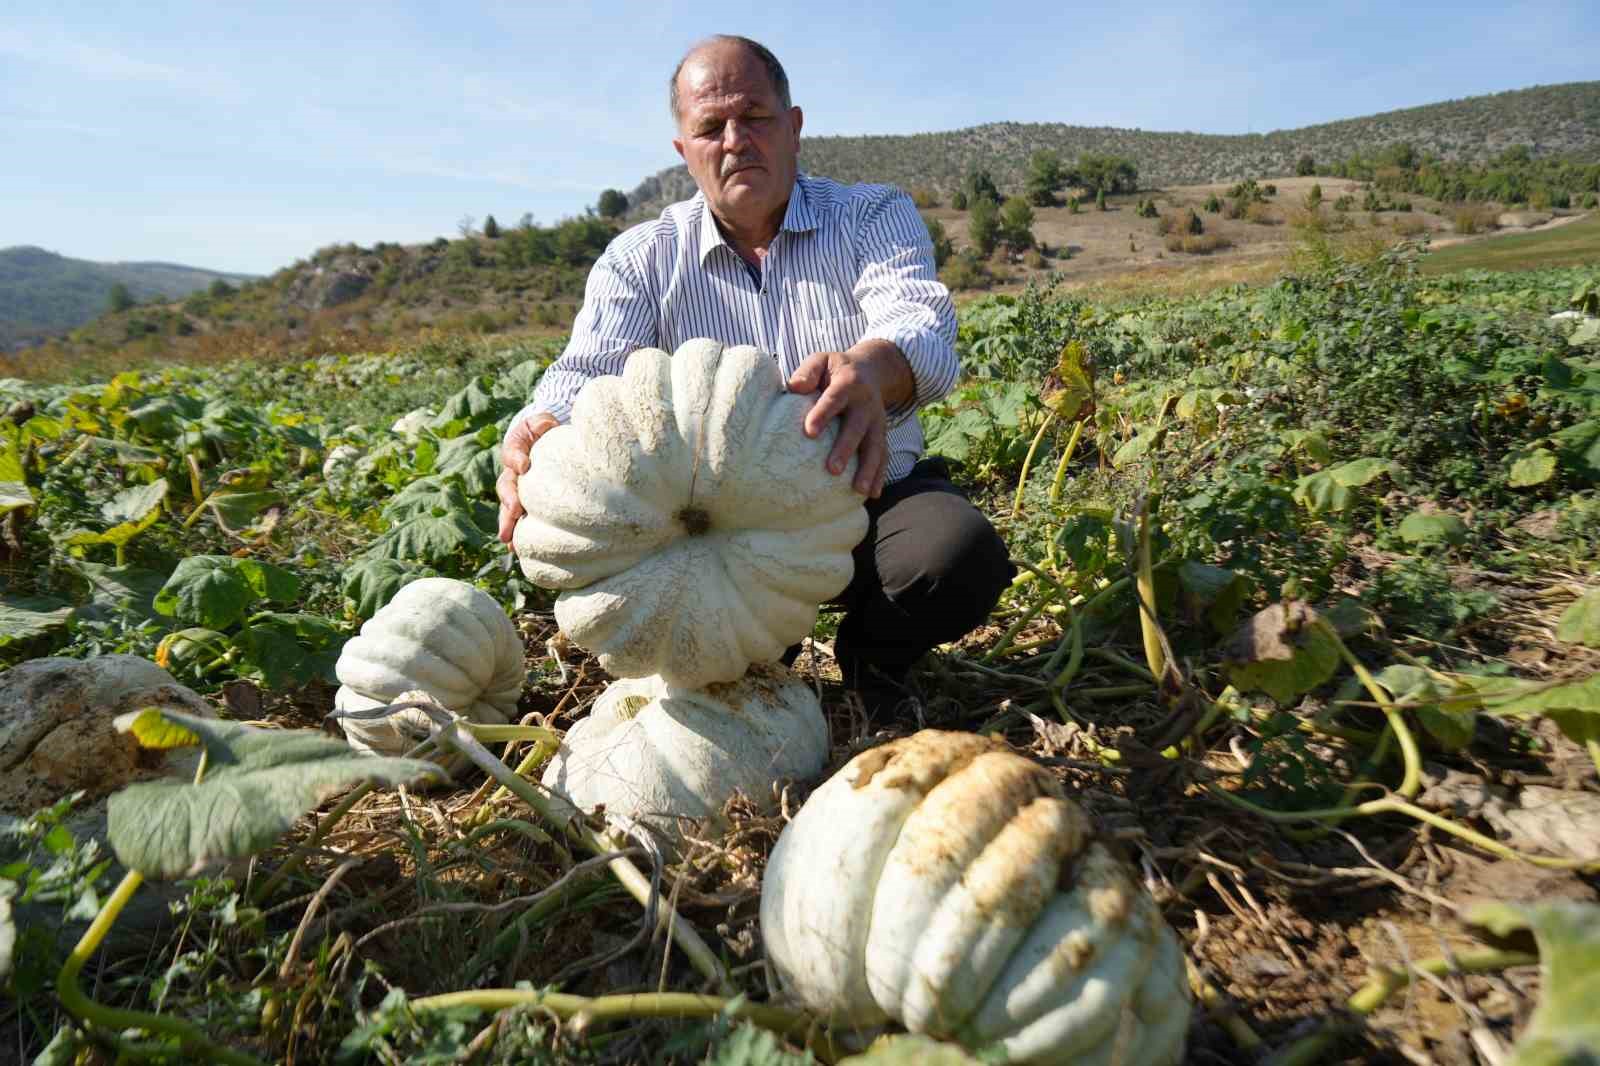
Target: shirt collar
[[797, 218]]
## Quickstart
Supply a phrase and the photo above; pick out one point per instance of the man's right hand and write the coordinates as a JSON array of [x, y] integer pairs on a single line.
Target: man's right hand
[[514, 463]]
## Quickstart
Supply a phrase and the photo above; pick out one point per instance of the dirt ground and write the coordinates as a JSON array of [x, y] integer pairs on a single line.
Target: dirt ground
[[1103, 244]]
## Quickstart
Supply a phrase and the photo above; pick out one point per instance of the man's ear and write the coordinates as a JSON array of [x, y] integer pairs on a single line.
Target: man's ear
[[677, 146], [796, 119]]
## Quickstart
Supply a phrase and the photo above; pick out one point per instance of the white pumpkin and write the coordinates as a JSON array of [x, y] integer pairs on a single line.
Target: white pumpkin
[[657, 753], [439, 635], [689, 521], [943, 882]]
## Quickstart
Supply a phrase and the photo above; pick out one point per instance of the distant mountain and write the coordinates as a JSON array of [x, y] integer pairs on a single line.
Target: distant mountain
[[43, 294], [1550, 120]]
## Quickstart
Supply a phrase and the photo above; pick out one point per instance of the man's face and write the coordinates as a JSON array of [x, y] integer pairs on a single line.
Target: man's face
[[739, 142]]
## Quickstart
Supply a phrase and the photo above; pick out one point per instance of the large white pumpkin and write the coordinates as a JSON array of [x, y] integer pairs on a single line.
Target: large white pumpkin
[[946, 883], [657, 753], [442, 636], [689, 521]]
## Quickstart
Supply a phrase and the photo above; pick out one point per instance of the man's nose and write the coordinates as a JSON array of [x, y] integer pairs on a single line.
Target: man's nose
[[735, 134]]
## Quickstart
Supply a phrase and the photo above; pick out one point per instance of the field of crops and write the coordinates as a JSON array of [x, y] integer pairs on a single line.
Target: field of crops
[[1362, 698]]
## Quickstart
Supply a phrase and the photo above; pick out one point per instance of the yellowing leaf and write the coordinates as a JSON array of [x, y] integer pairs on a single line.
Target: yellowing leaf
[[1580, 623], [1532, 468], [153, 729]]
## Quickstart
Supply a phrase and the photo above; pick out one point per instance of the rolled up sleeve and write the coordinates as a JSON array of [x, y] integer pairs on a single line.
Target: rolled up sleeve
[[904, 301], [619, 316]]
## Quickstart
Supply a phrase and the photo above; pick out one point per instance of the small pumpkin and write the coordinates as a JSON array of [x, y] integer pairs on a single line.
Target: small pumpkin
[[658, 753], [688, 520], [442, 636], [946, 883]]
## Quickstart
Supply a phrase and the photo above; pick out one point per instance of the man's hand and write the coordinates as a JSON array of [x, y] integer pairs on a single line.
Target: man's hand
[[858, 385], [514, 463]]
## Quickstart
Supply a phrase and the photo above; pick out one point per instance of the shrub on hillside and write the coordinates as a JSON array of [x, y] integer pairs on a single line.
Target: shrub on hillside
[[924, 197], [1305, 166], [983, 227], [958, 200], [1197, 244], [964, 271], [1213, 205], [943, 246], [1260, 214], [1410, 227], [1344, 203], [1475, 218]]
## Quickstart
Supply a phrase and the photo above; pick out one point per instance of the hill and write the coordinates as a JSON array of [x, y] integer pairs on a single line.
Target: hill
[[42, 293], [347, 298], [1552, 120]]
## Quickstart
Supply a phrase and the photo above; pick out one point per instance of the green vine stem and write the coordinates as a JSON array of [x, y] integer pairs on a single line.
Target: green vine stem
[[1027, 461], [1149, 629], [638, 886], [80, 1006], [1386, 982], [1060, 479], [781, 1020], [1395, 805]]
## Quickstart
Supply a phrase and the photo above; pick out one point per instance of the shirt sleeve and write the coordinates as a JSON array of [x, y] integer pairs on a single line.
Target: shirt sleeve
[[619, 316], [905, 303]]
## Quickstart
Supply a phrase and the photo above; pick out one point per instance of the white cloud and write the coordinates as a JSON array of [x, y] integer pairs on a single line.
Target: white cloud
[[50, 47]]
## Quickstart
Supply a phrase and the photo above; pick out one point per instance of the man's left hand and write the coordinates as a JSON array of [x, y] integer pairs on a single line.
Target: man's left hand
[[858, 385]]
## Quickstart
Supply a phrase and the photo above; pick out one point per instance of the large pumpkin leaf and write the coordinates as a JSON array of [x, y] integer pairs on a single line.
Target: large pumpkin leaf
[[210, 590], [119, 590], [1532, 468], [370, 583], [1333, 489], [1281, 652], [1580, 623], [258, 783], [133, 505], [1422, 692], [1420, 528], [14, 492], [27, 617], [429, 538], [1564, 1029]]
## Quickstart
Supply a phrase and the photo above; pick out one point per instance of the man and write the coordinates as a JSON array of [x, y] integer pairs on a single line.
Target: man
[[838, 282]]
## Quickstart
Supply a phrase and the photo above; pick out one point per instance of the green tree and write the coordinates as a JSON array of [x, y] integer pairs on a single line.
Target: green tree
[[958, 199], [1100, 199], [1016, 223], [983, 227], [220, 289], [613, 202], [1213, 205], [943, 246], [119, 299], [980, 186], [1107, 173], [1045, 176], [1305, 166], [491, 228], [1314, 197]]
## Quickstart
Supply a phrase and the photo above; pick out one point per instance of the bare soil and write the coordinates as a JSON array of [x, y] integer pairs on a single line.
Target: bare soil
[[1094, 246]]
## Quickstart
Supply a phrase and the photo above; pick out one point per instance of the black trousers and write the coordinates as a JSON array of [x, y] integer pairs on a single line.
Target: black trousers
[[930, 570]]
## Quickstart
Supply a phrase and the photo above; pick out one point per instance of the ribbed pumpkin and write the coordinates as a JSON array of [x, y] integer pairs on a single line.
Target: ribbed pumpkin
[[948, 884], [689, 522], [658, 753], [439, 635]]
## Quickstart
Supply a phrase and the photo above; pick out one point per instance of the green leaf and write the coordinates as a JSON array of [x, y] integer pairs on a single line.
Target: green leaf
[[1136, 447], [1532, 468], [1565, 1028], [1216, 592], [748, 1045], [235, 511], [119, 590], [133, 505], [1580, 623], [1330, 489], [1313, 444], [207, 589], [1587, 332], [430, 539], [269, 582], [1439, 528], [1280, 651], [1421, 692], [14, 493], [258, 783], [27, 617], [370, 583], [911, 1049], [1574, 706]]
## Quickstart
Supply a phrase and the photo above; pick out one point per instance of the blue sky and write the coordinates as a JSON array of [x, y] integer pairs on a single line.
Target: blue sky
[[244, 136]]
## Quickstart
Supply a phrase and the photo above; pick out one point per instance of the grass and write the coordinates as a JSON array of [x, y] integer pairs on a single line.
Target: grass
[[1574, 244]]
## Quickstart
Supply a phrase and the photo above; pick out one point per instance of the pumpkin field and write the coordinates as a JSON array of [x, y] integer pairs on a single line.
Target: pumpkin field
[[1303, 655]]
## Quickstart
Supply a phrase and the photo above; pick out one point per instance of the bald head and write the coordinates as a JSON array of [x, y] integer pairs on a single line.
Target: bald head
[[723, 42]]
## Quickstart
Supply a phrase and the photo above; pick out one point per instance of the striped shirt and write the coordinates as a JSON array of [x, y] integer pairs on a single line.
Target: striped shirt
[[850, 262]]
